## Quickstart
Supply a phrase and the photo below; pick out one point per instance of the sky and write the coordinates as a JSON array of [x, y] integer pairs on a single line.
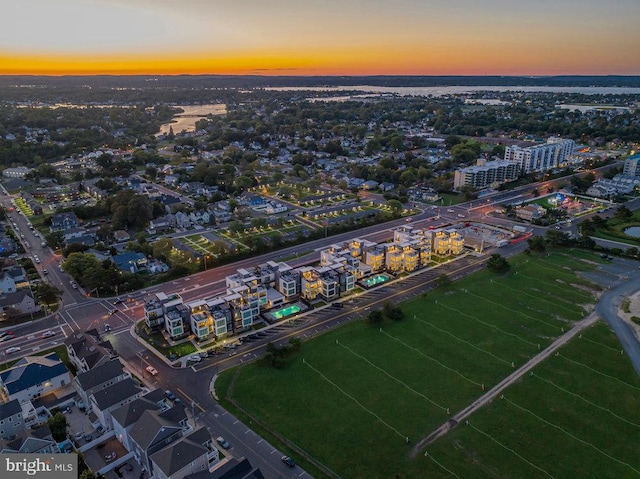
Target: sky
[[320, 37]]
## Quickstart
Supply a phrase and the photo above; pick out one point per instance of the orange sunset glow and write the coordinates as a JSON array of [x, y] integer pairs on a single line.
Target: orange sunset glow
[[320, 38]]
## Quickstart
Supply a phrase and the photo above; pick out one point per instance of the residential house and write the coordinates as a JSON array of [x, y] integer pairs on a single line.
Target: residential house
[[126, 416], [87, 350], [191, 453], [7, 283], [130, 261], [161, 224], [20, 302], [63, 221], [120, 236], [182, 220], [34, 376], [530, 212], [11, 421], [104, 401], [30, 441], [100, 377], [153, 431]]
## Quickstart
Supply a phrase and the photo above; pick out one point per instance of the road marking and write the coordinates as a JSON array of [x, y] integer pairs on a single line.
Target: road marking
[[191, 401], [236, 422], [247, 432], [273, 451]]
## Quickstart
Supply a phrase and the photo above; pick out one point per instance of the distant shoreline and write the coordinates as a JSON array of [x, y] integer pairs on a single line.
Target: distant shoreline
[[262, 81]]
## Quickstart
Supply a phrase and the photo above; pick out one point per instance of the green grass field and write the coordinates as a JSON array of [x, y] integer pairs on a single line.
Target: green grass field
[[351, 397]]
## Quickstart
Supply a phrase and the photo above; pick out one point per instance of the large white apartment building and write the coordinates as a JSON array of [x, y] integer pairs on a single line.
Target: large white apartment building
[[485, 173], [552, 154]]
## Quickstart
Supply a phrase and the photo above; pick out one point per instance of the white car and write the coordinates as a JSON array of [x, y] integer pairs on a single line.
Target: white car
[[194, 358], [13, 349], [151, 370], [48, 334]]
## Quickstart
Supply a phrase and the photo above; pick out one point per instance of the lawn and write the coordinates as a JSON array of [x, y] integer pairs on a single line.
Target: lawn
[[577, 415], [615, 227], [353, 396]]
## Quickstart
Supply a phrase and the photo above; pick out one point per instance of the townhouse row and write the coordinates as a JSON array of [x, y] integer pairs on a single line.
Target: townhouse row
[[254, 294]]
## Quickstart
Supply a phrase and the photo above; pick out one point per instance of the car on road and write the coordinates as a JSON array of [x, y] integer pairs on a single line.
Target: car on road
[[223, 442], [6, 336], [112, 312], [194, 358], [107, 328], [151, 370], [338, 305], [13, 349], [451, 211], [45, 272], [73, 284], [48, 334], [288, 461], [169, 395]]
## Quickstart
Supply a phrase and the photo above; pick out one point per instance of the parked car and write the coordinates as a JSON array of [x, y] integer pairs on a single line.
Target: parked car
[[337, 305], [88, 437], [151, 370], [118, 301], [110, 457], [13, 349], [223, 442], [288, 461], [169, 395], [194, 358]]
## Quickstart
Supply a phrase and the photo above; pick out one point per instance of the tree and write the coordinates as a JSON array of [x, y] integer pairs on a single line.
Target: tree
[[48, 293], [443, 281], [395, 205], [58, 425], [623, 213], [537, 243], [375, 317], [392, 312], [498, 263], [88, 474]]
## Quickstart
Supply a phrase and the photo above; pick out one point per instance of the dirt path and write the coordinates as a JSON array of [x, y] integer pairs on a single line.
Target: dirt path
[[502, 385]]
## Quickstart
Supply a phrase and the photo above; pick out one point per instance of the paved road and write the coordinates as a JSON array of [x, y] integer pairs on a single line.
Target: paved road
[[608, 307]]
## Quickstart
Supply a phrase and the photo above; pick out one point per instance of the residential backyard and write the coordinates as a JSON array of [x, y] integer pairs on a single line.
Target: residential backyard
[[353, 397]]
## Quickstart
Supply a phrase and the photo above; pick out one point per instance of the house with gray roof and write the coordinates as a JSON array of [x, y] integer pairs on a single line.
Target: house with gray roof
[[19, 302], [63, 221], [153, 431], [87, 350], [107, 400], [191, 453], [100, 377], [11, 421], [34, 376], [126, 416], [34, 441]]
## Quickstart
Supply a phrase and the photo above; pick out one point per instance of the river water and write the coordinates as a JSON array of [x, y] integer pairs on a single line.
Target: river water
[[457, 90], [186, 121]]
